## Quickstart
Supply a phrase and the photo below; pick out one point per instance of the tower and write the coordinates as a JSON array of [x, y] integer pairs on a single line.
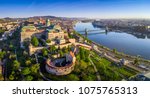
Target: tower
[[106, 29], [48, 22], [86, 32]]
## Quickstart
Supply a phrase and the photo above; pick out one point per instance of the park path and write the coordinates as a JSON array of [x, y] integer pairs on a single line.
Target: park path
[[97, 73], [45, 78]]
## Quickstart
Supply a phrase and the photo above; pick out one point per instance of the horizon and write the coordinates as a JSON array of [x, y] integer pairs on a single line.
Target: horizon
[[77, 17], [93, 9]]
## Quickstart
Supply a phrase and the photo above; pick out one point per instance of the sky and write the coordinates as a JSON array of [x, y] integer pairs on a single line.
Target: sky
[[76, 8]]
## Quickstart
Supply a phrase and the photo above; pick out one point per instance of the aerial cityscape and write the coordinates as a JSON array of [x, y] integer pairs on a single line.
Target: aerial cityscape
[[82, 40]]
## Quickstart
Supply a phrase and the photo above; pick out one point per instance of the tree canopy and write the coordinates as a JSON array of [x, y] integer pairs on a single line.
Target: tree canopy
[[26, 71], [2, 54], [35, 68], [34, 41], [44, 52], [29, 78], [16, 65]]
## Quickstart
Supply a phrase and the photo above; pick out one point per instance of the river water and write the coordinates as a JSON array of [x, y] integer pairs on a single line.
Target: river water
[[128, 43]]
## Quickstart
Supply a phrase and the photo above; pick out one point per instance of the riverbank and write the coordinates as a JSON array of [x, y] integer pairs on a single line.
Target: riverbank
[[130, 43], [118, 55]]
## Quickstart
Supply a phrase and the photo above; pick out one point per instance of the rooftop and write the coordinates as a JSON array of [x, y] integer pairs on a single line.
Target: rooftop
[[28, 28]]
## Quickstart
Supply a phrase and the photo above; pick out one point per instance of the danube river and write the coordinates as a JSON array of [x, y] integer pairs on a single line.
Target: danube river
[[128, 43]]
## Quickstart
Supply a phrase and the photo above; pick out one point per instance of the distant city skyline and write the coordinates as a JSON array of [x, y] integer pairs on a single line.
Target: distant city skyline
[[75, 8]]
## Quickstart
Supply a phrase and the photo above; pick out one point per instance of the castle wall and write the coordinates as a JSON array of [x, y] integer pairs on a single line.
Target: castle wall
[[32, 49], [60, 71]]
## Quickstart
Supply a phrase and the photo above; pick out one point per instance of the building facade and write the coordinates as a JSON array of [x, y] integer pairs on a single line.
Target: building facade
[[55, 32], [26, 33]]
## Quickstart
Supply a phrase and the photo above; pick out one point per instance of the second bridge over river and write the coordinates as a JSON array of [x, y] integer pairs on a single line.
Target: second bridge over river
[[91, 32]]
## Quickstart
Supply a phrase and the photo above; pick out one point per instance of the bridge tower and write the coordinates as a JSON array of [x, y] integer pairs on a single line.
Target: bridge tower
[[86, 32], [106, 29]]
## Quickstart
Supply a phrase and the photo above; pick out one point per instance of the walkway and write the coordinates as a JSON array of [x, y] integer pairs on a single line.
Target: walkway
[[41, 74], [97, 73], [111, 56]]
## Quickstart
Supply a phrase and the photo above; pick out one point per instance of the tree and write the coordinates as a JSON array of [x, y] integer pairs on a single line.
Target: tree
[[16, 65], [87, 59], [69, 48], [88, 78], [73, 77], [82, 55], [83, 65], [12, 56], [52, 49], [26, 71], [61, 53], [34, 68], [90, 70], [29, 78], [25, 54], [11, 47], [1, 32], [11, 77], [44, 52], [28, 62], [2, 54], [34, 41], [64, 49], [70, 36], [48, 41]]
